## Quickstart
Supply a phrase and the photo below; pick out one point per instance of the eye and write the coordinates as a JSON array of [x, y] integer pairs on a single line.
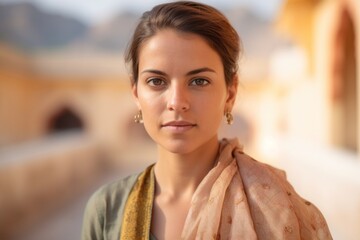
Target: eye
[[199, 82], [155, 82]]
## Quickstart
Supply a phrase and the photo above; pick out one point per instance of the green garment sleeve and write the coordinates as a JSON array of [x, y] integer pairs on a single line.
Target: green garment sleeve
[[104, 210], [93, 222]]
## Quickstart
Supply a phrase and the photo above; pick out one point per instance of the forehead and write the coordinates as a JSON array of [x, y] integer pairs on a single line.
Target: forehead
[[174, 49]]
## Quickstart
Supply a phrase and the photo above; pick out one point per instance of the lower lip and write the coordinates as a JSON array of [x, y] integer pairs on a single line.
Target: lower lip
[[178, 129]]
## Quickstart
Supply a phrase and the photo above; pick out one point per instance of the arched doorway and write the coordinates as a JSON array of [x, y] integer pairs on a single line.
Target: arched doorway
[[63, 120], [344, 94]]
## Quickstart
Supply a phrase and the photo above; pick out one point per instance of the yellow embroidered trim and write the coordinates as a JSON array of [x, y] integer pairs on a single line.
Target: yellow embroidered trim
[[137, 213]]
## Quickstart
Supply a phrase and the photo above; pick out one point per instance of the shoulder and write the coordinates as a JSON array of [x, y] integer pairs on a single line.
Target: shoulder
[[111, 193], [103, 211], [251, 168], [268, 189]]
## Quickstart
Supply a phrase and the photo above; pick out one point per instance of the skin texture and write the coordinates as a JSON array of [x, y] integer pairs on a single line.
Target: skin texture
[[183, 96]]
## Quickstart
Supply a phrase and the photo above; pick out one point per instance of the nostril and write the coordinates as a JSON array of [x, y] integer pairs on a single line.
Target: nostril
[[185, 107], [178, 106]]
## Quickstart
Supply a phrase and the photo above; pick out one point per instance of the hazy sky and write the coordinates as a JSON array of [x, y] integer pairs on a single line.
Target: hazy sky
[[97, 10]]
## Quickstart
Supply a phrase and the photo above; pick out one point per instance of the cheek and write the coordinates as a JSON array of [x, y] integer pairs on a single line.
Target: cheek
[[150, 112], [147, 99], [214, 102], [212, 110], [151, 107]]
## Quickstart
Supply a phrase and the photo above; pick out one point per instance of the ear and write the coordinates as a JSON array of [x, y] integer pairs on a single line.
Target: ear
[[231, 93], [134, 91]]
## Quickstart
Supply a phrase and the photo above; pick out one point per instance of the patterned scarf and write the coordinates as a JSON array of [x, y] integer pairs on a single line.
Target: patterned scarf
[[240, 198]]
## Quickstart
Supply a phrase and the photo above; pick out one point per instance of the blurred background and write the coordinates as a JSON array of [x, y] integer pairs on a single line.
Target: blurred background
[[66, 112]]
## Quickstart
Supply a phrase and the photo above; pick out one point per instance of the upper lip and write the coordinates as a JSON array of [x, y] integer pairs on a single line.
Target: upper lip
[[178, 123]]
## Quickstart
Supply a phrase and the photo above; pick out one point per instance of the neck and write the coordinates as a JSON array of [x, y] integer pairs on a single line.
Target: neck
[[178, 175]]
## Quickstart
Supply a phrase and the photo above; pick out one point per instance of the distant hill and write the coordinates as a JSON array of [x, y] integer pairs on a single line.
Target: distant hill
[[111, 35], [27, 27], [256, 33]]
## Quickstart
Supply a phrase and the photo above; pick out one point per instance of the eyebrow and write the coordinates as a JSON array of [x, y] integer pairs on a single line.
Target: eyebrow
[[200, 70], [192, 72]]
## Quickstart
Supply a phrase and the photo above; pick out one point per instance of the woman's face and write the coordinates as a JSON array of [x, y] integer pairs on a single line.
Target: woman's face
[[181, 91]]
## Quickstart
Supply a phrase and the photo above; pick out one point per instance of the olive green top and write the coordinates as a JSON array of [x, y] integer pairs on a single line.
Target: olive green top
[[104, 210]]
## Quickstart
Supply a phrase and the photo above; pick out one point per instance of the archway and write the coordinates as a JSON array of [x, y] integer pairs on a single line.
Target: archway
[[63, 120], [344, 94]]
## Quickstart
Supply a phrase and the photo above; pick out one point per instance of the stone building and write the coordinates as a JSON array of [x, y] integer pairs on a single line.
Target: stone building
[[62, 124], [320, 139]]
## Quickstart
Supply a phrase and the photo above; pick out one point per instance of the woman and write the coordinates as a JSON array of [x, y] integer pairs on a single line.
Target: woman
[[183, 57]]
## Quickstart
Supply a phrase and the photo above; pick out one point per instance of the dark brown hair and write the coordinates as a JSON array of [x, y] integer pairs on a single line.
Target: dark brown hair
[[189, 17]]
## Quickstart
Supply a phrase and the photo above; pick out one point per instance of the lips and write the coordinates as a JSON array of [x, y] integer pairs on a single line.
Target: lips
[[178, 126]]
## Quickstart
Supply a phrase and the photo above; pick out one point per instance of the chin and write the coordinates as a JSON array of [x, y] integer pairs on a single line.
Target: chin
[[178, 146], [186, 145]]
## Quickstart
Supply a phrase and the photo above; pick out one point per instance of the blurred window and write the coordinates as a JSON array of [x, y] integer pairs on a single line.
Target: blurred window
[[65, 120]]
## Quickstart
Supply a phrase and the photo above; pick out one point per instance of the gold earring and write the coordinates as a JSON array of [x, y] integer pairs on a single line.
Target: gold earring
[[229, 118], [138, 117]]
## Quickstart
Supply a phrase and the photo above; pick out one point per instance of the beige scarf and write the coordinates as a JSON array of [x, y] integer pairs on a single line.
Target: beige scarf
[[239, 198]]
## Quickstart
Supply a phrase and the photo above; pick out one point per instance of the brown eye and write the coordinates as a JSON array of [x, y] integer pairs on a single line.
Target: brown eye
[[155, 82], [199, 82]]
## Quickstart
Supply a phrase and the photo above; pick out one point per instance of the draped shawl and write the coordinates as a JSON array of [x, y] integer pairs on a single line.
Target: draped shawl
[[240, 198]]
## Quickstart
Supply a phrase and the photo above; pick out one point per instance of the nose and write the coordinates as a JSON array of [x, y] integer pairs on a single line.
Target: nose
[[178, 99]]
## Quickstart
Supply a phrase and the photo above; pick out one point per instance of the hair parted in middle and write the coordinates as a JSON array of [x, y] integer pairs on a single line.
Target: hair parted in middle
[[188, 17]]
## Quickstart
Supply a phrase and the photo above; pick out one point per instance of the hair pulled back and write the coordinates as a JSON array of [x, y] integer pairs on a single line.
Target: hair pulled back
[[188, 17]]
